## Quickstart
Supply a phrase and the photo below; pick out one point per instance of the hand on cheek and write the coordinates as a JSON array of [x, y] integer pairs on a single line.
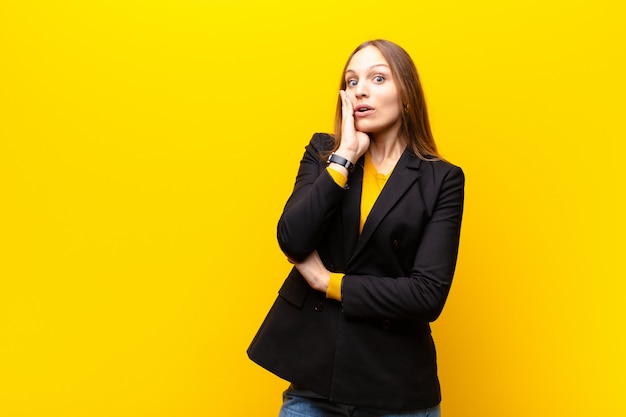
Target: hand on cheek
[[354, 143]]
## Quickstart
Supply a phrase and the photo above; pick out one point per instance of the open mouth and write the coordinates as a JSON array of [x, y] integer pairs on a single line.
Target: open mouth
[[363, 110]]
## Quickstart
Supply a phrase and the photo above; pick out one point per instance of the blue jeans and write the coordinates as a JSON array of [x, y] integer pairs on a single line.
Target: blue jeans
[[297, 403]]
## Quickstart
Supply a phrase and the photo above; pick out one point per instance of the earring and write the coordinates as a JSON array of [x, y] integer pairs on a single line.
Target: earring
[[406, 108]]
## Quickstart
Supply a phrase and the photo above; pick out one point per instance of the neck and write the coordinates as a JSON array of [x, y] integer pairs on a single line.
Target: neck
[[385, 153]]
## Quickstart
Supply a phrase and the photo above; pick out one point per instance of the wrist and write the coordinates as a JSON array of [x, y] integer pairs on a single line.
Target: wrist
[[325, 282], [341, 161], [350, 155]]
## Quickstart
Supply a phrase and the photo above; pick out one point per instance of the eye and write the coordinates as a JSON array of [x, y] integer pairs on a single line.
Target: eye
[[379, 79], [351, 83]]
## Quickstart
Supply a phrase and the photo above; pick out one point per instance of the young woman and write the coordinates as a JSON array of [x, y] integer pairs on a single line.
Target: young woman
[[372, 228]]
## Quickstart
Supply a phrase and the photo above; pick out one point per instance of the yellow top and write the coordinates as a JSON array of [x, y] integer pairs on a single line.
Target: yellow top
[[373, 183]]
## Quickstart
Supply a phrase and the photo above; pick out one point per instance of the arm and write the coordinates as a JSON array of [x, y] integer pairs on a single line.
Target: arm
[[312, 268], [314, 200], [421, 295], [316, 195]]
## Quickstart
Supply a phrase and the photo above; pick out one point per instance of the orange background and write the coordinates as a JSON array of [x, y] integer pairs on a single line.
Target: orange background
[[147, 148]]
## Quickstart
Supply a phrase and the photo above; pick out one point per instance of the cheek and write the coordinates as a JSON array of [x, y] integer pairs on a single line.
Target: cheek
[[392, 102], [393, 108], [398, 111]]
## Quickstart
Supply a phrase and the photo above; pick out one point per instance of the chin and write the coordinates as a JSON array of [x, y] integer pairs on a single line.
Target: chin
[[365, 127]]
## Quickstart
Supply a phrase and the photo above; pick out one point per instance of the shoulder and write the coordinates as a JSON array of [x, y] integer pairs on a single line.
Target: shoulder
[[440, 167], [322, 142], [441, 171]]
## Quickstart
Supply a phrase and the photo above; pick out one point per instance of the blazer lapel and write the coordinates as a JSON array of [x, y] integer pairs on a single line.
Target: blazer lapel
[[404, 175]]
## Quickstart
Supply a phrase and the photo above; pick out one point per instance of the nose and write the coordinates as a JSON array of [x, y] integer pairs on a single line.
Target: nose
[[361, 90]]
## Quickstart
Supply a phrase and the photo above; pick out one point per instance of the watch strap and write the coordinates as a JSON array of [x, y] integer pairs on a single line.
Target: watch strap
[[334, 158]]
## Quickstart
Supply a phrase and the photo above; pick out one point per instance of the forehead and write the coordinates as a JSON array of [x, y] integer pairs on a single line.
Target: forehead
[[366, 58]]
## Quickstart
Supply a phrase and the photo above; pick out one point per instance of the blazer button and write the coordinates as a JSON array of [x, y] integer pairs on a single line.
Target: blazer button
[[319, 306], [386, 324], [395, 244]]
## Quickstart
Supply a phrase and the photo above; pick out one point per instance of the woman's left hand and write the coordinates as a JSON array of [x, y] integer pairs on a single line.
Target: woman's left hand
[[314, 272]]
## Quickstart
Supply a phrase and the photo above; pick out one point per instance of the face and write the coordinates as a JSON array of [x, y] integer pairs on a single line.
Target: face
[[373, 93]]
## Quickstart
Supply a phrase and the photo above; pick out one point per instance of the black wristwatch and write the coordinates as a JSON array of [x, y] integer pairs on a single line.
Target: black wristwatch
[[341, 161]]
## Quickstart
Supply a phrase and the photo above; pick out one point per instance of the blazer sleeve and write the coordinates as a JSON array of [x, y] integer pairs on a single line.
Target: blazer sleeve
[[422, 294], [315, 198]]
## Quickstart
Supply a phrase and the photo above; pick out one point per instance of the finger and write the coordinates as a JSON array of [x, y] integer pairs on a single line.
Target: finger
[[346, 103], [347, 112]]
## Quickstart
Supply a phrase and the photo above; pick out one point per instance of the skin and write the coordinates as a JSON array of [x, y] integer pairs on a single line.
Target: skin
[[369, 82]]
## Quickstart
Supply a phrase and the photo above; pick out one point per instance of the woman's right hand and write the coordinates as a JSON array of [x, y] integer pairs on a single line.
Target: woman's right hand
[[354, 143]]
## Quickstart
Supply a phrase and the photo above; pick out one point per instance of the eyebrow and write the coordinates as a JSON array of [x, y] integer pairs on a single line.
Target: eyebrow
[[370, 68]]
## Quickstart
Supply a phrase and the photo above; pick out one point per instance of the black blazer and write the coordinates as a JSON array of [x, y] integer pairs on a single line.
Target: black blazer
[[373, 349]]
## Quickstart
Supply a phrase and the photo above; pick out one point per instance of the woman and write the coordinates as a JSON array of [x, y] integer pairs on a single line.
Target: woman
[[372, 228]]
